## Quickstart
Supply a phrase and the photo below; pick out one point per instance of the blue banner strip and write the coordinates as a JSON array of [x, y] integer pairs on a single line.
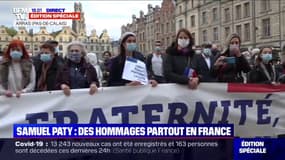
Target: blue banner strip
[[123, 130], [259, 148]]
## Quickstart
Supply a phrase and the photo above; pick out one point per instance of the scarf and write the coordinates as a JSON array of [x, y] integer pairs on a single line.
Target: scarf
[[271, 77], [42, 85]]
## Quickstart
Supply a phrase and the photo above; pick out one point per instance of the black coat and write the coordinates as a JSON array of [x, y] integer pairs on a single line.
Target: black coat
[[204, 73], [117, 68], [52, 72], [85, 68], [232, 72], [176, 62], [257, 75], [281, 73]]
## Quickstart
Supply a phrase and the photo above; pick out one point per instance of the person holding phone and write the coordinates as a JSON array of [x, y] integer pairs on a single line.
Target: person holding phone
[[229, 65]]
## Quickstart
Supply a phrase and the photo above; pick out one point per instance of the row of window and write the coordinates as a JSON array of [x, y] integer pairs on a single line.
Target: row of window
[[165, 28], [245, 35], [227, 14], [92, 48], [165, 41], [161, 28], [240, 12]]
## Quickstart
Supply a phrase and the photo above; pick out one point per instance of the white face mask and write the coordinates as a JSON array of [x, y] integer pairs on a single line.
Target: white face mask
[[183, 43], [234, 46]]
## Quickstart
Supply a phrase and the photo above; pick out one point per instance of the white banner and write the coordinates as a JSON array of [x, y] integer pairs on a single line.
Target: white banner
[[253, 114]]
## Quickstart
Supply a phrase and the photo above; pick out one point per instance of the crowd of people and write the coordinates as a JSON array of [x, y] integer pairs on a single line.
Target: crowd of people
[[182, 63]]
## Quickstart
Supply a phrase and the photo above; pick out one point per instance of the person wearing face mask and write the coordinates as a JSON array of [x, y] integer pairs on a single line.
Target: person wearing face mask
[[264, 71], [92, 59], [77, 72], [229, 65], [215, 50], [17, 72], [180, 62], [47, 65], [154, 64], [105, 67], [206, 62], [128, 48], [56, 49]]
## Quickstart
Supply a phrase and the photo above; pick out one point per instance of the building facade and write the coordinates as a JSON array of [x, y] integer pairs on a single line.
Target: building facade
[[259, 23], [94, 43], [167, 32], [157, 25]]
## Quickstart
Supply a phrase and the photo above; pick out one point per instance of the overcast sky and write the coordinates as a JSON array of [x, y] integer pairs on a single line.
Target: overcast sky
[[99, 14]]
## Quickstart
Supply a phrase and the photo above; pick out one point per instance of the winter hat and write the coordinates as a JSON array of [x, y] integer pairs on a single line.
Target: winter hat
[[126, 34]]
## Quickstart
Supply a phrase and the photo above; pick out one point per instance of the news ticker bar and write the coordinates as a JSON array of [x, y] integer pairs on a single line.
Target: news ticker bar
[[237, 148], [123, 130]]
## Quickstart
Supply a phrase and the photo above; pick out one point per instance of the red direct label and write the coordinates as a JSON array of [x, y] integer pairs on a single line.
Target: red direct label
[[55, 15]]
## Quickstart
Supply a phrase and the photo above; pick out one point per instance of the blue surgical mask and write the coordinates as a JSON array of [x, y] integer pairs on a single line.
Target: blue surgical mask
[[74, 57], [45, 57], [16, 55], [207, 52], [157, 49], [266, 57], [131, 47]]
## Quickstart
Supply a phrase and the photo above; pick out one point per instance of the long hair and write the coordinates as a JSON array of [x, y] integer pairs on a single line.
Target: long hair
[[259, 59], [230, 37], [122, 53], [186, 31], [107, 52], [16, 43]]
